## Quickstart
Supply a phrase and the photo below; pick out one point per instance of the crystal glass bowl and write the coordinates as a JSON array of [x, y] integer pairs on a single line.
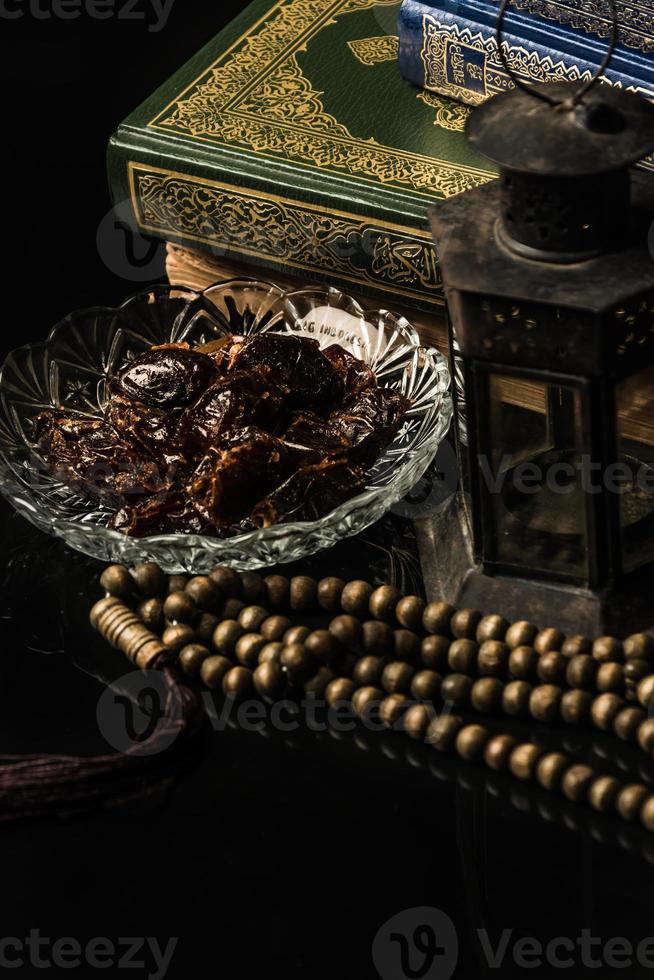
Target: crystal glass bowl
[[71, 368]]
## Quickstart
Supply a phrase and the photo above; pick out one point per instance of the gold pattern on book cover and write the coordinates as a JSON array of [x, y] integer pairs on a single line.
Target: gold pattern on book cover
[[375, 50], [292, 233], [635, 17], [256, 97]]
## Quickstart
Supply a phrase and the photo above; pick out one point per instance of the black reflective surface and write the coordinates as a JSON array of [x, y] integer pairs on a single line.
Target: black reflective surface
[[276, 851]]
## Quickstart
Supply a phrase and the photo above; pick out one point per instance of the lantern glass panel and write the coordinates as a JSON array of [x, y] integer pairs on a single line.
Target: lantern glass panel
[[537, 501], [633, 476]]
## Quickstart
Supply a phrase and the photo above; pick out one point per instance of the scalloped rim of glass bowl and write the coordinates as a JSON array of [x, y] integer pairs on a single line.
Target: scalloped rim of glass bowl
[[112, 545]]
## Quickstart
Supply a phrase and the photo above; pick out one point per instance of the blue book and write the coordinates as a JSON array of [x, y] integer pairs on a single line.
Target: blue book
[[449, 46]]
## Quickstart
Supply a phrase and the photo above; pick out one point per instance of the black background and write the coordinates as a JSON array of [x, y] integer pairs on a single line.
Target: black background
[[273, 854]]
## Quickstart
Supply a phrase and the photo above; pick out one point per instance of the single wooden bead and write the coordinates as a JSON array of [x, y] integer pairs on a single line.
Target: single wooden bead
[[647, 813], [252, 618], [192, 657], [296, 634], [436, 618], [392, 709], [329, 593], [271, 653], [204, 627], [304, 593], [575, 707], [498, 752], [355, 598], [486, 695], [396, 677], [491, 628], [635, 670], [645, 735], [550, 770], [368, 671], [627, 723], [492, 659], [275, 628], [602, 793], [426, 685], [610, 677], [298, 663], [226, 635], [383, 602], [213, 670], [547, 640], [607, 649], [232, 608], [316, 686], [176, 583], [576, 646], [464, 623], [151, 612], [248, 648], [180, 608], [150, 579], [523, 661], [254, 592], [524, 759], [645, 690], [416, 721], [322, 645], [377, 638], [442, 732], [576, 782], [278, 590], [228, 581], [581, 672], [340, 690], [521, 634], [456, 689], [471, 742], [237, 682], [117, 581], [544, 703], [515, 698], [551, 667], [406, 645], [346, 630], [178, 636], [409, 612], [434, 651], [638, 646], [462, 657], [630, 799], [366, 701], [269, 679], [203, 591], [604, 709]]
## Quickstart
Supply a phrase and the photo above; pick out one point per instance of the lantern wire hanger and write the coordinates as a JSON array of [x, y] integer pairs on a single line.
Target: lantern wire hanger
[[538, 93]]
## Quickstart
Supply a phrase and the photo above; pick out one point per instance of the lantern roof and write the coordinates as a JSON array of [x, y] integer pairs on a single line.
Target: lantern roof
[[607, 131]]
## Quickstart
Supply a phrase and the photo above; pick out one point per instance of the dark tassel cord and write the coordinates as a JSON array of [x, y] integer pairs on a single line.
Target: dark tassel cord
[[442, 676]]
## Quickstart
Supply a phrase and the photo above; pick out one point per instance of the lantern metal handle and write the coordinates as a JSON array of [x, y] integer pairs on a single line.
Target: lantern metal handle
[[538, 93]]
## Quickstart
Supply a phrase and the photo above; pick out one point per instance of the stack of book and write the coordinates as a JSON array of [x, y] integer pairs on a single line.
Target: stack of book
[[291, 148]]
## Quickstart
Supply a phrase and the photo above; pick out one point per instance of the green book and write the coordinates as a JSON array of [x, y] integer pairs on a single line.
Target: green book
[[291, 142]]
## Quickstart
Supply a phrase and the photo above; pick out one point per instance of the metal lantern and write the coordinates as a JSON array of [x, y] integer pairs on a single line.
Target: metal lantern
[[550, 288]]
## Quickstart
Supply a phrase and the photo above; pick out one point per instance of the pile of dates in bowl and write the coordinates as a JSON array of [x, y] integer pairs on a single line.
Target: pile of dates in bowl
[[241, 425]]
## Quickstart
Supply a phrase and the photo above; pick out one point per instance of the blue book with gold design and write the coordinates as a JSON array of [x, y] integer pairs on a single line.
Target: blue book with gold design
[[449, 46]]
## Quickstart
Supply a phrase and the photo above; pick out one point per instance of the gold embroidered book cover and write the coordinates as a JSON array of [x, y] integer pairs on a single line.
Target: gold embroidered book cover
[[292, 142]]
